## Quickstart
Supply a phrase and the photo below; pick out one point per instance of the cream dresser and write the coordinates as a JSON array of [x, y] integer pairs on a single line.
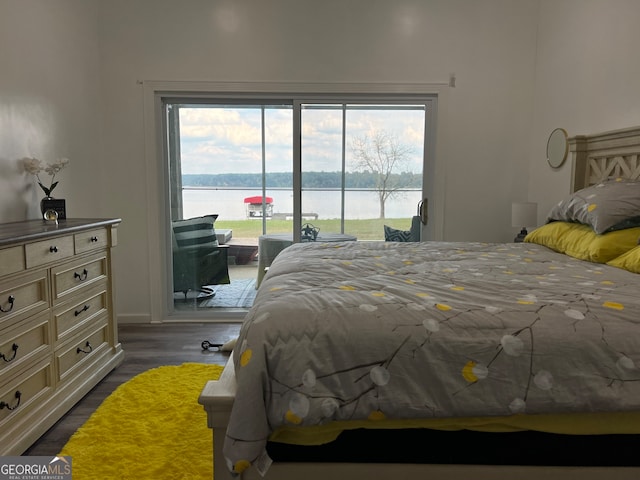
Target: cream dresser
[[58, 330]]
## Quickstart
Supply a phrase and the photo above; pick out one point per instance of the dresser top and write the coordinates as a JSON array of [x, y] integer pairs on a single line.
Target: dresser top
[[18, 232]]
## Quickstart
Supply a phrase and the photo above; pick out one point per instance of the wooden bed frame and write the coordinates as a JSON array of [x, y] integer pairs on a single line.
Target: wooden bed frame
[[594, 157], [610, 154]]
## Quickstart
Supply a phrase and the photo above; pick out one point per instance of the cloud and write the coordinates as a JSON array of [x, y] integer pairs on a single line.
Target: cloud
[[229, 139]]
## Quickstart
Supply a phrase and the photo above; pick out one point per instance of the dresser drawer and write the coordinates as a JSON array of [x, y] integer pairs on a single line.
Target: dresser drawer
[[12, 260], [25, 392], [77, 275], [79, 353], [22, 297], [91, 240], [24, 342], [47, 251], [76, 315]]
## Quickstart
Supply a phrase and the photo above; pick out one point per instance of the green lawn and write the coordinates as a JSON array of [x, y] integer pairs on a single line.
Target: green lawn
[[363, 229]]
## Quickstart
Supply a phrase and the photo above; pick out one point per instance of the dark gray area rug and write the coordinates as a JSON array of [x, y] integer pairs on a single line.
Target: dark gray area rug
[[237, 294]]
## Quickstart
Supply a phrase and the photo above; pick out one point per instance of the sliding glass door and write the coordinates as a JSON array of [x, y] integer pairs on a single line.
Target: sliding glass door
[[277, 167], [222, 155], [362, 164]]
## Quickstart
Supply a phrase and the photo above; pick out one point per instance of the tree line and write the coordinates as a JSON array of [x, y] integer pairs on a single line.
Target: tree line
[[321, 180]]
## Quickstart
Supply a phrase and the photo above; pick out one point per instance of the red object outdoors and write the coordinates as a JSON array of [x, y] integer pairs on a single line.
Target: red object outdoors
[[258, 199]]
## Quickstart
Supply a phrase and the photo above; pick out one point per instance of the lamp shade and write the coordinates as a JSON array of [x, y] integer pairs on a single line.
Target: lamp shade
[[524, 214]]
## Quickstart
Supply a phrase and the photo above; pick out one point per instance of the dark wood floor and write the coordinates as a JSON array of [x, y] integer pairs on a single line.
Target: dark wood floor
[[145, 346]]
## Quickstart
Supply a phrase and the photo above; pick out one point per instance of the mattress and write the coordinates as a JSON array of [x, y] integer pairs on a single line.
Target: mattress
[[369, 334]]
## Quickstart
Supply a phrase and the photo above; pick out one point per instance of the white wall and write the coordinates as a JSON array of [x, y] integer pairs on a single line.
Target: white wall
[[586, 81], [50, 102]]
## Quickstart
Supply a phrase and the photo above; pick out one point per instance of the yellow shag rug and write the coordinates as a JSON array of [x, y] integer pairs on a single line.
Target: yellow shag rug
[[151, 427]]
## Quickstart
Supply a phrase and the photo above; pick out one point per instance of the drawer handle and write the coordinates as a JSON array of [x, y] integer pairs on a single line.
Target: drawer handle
[[15, 352], [53, 249], [81, 276], [94, 239], [83, 309], [9, 407], [11, 300], [89, 347]]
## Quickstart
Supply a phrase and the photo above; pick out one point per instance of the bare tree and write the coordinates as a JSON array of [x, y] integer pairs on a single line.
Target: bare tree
[[382, 154]]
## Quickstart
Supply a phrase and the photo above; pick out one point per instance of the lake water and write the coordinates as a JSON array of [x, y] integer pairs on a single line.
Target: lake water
[[360, 204]]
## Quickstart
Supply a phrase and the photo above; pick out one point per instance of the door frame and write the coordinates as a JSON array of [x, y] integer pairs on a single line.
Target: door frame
[[154, 94]]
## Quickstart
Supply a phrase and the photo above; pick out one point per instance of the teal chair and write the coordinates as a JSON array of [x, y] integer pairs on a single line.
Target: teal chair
[[198, 260]]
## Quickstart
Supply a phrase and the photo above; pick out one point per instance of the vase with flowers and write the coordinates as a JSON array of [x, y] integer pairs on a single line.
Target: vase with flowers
[[35, 167]]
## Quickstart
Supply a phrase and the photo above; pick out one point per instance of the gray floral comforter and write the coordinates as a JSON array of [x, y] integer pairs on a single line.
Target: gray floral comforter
[[370, 330]]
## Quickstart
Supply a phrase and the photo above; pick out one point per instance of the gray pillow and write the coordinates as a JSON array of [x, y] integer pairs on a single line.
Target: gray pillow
[[610, 205]]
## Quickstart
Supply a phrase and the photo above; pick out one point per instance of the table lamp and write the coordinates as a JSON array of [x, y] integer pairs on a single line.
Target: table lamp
[[523, 214]]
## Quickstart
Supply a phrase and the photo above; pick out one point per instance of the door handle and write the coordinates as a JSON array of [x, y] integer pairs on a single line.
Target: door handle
[[422, 210]]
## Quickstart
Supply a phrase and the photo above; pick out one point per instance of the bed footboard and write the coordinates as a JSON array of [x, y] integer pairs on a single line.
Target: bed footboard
[[217, 399]]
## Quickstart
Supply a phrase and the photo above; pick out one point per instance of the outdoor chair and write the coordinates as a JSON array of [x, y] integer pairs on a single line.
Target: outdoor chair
[[198, 260]]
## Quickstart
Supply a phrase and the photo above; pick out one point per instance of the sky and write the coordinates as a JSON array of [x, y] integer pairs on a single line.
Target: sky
[[229, 139]]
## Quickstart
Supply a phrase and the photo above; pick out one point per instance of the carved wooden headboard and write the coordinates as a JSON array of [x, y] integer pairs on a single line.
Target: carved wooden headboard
[[610, 154]]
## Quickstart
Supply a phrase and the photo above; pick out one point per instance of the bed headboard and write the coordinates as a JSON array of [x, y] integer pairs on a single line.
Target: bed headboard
[[610, 154]]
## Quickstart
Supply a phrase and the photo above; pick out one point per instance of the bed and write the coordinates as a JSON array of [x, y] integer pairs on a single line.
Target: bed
[[483, 348]]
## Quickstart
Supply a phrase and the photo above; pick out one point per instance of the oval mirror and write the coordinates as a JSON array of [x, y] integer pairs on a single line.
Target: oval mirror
[[557, 147]]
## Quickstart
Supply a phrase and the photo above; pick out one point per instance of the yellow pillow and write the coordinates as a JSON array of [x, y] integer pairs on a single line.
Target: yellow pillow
[[551, 234], [629, 260], [580, 241]]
